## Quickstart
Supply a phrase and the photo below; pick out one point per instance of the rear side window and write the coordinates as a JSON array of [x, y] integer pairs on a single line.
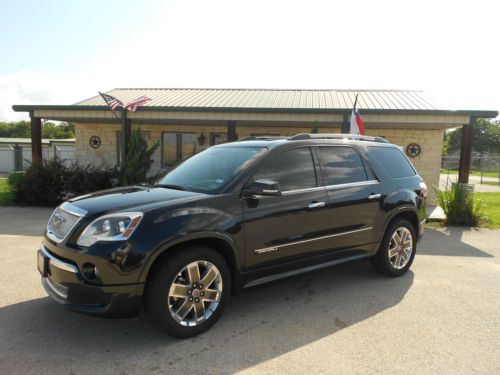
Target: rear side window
[[292, 169], [393, 161], [342, 165]]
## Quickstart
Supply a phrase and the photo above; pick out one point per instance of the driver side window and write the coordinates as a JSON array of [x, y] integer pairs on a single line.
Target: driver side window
[[292, 169]]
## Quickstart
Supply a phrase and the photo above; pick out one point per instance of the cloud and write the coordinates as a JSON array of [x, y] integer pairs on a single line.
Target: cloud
[[24, 87]]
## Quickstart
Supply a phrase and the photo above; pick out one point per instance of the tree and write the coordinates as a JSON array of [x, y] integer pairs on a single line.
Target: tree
[[486, 138], [50, 130], [138, 161]]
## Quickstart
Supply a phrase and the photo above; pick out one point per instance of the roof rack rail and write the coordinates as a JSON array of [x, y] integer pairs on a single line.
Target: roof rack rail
[[261, 138], [338, 136]]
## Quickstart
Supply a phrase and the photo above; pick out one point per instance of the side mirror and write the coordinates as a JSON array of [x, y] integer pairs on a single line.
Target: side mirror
[[264, 188]]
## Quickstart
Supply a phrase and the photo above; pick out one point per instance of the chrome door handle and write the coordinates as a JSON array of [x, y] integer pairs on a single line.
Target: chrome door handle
[[374, 196], [316, 205]]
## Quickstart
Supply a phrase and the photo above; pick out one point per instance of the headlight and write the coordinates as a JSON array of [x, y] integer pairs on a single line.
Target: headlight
[[113, 227]]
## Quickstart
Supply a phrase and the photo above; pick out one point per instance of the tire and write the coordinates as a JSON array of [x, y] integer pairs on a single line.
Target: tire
[[393, 259], [175, 289]]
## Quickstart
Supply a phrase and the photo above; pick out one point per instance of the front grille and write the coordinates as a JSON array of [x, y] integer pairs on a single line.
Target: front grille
[[61, 223]]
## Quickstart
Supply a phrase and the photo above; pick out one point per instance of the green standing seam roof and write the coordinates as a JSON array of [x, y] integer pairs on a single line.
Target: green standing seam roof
[[398, 102], [272, 99]]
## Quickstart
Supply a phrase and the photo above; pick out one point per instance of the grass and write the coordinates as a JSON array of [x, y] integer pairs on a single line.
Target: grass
[[492, 183], [472, 173], [490, 206], [6, 196]]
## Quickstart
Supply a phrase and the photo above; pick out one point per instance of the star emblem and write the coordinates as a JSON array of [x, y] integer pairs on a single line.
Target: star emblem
[[95, 141], [413, 150]]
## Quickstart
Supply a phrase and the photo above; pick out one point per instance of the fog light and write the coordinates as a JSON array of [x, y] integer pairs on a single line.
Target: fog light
[[90, 271]]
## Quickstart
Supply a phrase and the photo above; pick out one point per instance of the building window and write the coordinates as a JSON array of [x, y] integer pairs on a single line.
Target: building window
[[217, 138], [177, 147]]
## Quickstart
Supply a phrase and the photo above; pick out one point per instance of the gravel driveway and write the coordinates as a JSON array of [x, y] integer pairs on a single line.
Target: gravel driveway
[[441, 317]]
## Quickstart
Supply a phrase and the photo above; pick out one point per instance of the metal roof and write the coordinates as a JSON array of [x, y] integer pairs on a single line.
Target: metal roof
[[272, 99]]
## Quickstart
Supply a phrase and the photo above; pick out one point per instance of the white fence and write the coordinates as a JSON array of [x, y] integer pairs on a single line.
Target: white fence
[[12, 159]]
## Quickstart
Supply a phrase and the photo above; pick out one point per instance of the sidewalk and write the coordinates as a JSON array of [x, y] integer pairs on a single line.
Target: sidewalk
[[446, 180]]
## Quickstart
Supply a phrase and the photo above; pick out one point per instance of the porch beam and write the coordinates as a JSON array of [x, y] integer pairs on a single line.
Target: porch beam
[[231, 131], [124, 136], [36, 139], [466, 151], [345, 125]]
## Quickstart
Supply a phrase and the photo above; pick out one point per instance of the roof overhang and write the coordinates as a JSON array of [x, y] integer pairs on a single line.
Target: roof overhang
[[471, 113]]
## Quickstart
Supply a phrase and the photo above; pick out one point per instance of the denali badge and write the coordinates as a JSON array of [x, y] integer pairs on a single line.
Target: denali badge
[[266, 250]]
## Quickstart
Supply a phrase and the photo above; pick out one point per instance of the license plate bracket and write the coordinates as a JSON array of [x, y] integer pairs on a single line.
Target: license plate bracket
[[43, 264]]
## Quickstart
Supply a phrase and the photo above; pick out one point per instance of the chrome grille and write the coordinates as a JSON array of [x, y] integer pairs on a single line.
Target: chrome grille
[[60, 223]]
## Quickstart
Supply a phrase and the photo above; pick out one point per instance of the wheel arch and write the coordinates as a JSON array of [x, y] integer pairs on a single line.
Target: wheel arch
[[408, 213], [218, 242]]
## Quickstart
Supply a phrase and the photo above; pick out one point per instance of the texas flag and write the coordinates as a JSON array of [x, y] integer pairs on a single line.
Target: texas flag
[[357, 126]]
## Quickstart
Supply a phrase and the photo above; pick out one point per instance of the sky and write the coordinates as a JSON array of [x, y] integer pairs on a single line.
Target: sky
[[61, 52]]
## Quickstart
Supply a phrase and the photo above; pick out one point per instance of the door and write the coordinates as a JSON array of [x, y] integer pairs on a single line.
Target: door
[[291, 225], [354, 196]]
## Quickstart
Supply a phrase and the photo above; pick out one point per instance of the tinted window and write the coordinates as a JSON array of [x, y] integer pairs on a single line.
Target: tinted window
[[393, 161], [342, 165], [293, 169], [210, 170]]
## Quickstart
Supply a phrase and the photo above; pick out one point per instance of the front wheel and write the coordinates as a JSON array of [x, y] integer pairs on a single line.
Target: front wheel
[[187, 292], [397, 249]]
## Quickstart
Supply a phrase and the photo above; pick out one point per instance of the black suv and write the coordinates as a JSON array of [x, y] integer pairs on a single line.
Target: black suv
[[233, 216]]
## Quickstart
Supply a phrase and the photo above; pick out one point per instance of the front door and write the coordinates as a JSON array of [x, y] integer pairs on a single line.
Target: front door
[[291, 225]]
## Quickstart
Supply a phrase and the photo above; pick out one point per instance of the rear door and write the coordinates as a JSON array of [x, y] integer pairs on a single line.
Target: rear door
[[354, 196], [291, 225]]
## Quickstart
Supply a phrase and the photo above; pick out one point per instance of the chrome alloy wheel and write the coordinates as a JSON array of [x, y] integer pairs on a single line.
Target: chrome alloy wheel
[[195, 293], [400, 248]]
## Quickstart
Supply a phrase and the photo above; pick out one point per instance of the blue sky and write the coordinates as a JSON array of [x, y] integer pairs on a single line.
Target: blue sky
[[59, 52]]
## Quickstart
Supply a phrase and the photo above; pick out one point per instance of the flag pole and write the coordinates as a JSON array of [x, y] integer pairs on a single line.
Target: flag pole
[[113, 112], [355, 102]]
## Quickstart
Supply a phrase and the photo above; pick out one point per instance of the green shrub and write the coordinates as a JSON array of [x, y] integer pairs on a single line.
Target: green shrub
[[138, 161], [81, 180], [43, 184], [50, 183], [459, 207], [16, 181]]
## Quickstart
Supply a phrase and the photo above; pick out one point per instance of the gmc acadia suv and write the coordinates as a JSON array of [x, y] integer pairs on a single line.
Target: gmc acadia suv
[[233, 216]]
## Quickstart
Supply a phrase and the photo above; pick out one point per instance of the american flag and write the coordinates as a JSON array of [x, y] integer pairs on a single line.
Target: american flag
[[132, 106], [112, 101]]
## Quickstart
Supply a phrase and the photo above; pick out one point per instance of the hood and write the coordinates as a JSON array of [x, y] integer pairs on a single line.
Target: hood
[[128, 198]]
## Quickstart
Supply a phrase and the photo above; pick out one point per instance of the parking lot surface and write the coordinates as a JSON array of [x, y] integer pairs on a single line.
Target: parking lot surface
[[442, 317]]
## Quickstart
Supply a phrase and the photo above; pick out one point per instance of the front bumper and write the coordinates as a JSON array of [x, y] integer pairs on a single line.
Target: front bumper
[[64, 283]]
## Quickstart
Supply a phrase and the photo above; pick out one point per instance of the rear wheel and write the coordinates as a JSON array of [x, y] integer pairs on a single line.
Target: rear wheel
[[397, 250], [187, 292]]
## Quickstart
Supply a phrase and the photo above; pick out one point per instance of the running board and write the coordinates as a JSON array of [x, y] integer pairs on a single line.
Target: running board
[[299, 271]]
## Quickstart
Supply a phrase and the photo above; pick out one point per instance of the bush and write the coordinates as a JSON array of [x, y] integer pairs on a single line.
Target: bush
[[458, 205], [43, 184], [51, 182], [16, 181], [81, 180], [138, 162]]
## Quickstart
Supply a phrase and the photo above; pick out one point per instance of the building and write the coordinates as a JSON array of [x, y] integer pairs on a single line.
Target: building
[[186, 121], [16, 153]]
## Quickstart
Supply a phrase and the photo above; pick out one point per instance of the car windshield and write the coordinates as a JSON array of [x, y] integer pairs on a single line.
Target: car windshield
[[209, 171]]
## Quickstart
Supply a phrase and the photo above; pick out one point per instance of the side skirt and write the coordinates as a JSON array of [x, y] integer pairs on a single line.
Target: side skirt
[[282, 275]]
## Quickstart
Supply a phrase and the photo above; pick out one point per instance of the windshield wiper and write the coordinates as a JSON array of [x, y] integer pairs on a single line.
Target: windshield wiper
[[172, 186]]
